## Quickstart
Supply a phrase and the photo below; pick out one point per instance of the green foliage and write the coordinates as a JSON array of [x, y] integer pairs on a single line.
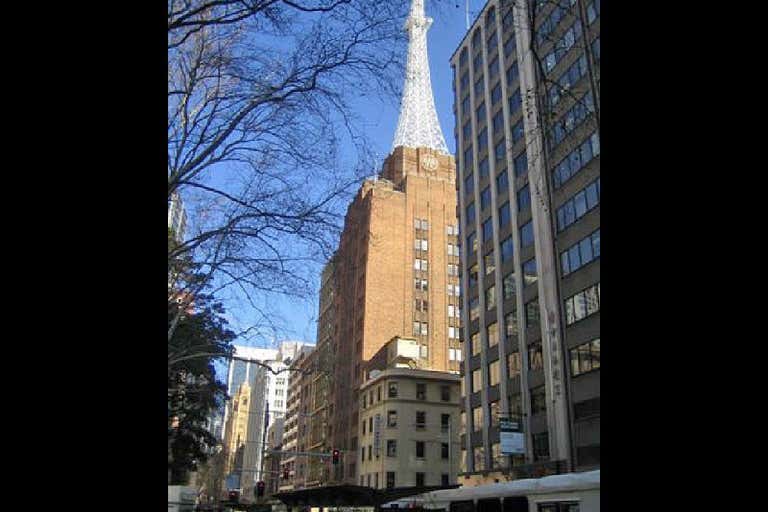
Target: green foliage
[[200, 337]]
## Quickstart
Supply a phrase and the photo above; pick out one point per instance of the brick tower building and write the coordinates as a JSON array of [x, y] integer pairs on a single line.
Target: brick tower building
[[396, 267]]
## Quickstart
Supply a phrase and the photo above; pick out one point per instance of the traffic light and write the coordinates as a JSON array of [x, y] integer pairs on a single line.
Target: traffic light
[[286, 474], [234, 497], [259, 488], [335, 457]]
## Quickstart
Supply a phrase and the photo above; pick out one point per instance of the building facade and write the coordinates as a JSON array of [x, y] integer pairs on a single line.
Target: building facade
[[409, 421], [236, 432], [297, 422], [266, 378], [396, 268], [526, 84]]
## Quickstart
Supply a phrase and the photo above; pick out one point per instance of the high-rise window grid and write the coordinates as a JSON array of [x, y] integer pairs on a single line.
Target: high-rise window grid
[[482, 139], [480, 111], [496, 94], [513, 72], [507, 249], [477, 418], [471, 243], [518, 132], [492, 334], [502, 182], [467, 130], [509, 286], [468, 160], [513, 365], [529, 272], [581, 253], [593, 11], [505, 216], [526, 234], [582, 304], [483, 168], [509, 44], [474, 309], [474, 342], [500, 152], [524, 198], [576, 160], [489, 263], [477, 62], [532, 318], [470, 216], [515, 102], [477, 380], [485, 198], [487, 230], [535, 356], [490, 298], [492, 42], [571, 120], [562, 46], [538, 400], [541, 446], [569, 78], [585, 357], [520, 164], [479, 84], [578, 205], [511, 324], [498, 122], [549, 23], [469, 184], [494, 373]]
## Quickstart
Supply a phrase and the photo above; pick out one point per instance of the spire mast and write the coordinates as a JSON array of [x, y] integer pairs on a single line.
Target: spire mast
[[418, 125]]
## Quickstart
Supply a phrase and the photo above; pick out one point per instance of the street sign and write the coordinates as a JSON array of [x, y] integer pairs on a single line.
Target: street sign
[[511, 438]]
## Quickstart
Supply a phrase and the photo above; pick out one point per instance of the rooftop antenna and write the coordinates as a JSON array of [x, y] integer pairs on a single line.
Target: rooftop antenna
[[466, 13]]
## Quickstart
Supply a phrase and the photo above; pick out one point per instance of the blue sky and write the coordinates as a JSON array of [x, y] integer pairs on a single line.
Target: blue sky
[[297, 318]]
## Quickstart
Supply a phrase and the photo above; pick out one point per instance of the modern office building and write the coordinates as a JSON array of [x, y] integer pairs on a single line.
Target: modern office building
[[396, 268], [297, 421], [527, 100], [268, 388], [409, 420]]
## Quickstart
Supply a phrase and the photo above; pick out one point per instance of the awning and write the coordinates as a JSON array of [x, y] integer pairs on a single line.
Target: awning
[[351, 495]]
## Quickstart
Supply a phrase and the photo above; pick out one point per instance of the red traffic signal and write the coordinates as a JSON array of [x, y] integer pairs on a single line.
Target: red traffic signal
[[259, 488], [335, 457], [234, 496]]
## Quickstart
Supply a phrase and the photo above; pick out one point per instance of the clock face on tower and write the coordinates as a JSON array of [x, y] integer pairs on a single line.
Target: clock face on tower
[[429, 163]]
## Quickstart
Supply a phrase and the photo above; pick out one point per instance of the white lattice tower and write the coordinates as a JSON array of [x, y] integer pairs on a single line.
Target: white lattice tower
[[418, 125]]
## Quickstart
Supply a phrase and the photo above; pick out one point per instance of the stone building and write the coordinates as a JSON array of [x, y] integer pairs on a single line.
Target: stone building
[[397, 264], [409, 421]]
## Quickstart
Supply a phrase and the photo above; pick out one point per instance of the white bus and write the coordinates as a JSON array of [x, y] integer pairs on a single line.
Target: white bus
[[570, 492]]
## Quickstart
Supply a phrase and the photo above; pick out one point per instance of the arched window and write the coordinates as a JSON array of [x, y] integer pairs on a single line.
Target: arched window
[[490, 18]]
